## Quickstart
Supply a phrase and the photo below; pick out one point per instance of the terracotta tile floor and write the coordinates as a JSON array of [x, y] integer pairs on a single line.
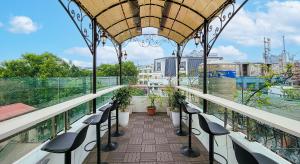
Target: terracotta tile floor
[[149, 140]]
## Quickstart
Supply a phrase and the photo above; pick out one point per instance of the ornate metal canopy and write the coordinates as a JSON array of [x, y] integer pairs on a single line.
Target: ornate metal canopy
[[177, 20]]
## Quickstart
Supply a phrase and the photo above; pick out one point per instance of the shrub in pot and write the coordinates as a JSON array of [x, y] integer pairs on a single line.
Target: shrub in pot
[[123, 96], [174, 99], [169, 90], [153, 98]]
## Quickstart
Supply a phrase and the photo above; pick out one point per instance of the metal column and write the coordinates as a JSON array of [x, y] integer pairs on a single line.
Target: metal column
[[94, 62], [120, 64], [178, 63], [205, 54]]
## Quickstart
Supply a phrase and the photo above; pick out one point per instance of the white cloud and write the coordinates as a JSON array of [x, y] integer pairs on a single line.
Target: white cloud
[[229, 53], [143, 55], [107, 54], [22, 25], [1, 24], [78, 63], [279, 18]]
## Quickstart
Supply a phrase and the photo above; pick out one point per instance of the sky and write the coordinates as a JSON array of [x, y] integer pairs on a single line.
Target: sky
[[35, 26]]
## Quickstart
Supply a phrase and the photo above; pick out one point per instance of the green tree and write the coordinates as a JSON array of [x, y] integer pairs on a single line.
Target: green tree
[[128, 69], [41, 66]]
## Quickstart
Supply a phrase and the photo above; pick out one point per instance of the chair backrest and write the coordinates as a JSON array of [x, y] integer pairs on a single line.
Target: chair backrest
[[79, 138], [203, 123], [105, 114], [183, 105], [242, 155], [115, 104]]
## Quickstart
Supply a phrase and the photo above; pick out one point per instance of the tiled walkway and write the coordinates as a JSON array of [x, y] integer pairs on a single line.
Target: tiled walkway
[[149, 140]]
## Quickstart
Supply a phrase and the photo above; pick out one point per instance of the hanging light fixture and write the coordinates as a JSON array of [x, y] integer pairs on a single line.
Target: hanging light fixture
[[103, 38], [125, 55], [173, 53], [197, 39]]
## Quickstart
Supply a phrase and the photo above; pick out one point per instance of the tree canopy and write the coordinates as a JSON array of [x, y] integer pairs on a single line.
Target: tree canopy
[[42, 66], [128, 69]]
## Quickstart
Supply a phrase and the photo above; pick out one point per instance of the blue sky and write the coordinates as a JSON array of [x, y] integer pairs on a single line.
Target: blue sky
[[43, 26]]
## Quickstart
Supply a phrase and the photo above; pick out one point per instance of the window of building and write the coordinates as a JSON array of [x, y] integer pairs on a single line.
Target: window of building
[[182, 66], [158, 66]]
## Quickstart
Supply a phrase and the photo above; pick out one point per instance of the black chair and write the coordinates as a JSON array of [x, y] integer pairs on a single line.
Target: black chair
[[243, 156], [110, 146], [180, 131], [97, 120], [118, 132], [213, 129], [66, 143], [188, 150]]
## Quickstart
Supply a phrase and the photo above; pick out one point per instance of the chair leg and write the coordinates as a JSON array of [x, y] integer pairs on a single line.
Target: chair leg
[[68, 157], [118, 132], [190, 131], [180, 132], [188, 150], [110, 146], [211, 149]]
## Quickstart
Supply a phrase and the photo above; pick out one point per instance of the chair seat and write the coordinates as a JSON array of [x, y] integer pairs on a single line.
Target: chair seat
[[61, 144], [262, 159], [192, 110], [94, 119], [103, 108], [216, 129]]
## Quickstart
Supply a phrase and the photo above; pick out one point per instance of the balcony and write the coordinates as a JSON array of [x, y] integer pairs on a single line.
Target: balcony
[[149, 138]]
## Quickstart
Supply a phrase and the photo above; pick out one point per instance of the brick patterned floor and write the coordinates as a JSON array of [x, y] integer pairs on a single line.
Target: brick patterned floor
[[149, 140]]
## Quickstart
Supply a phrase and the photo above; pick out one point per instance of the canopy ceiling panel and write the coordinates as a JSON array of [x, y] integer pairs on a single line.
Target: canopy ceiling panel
[[176, 19]]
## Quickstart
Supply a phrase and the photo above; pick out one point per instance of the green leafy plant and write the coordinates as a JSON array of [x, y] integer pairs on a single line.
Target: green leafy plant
[[123, 96], [154, 98], [175, 100]]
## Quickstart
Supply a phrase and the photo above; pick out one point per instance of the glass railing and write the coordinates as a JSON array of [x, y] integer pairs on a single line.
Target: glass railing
[[280, 142], [17, 146], [36, 93]]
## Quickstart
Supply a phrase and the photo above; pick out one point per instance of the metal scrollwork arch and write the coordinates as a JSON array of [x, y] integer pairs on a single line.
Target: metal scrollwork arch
[[218, 23]]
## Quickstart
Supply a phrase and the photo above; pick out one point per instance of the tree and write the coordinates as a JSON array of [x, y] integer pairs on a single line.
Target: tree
[[128, 69], [271, 78], [41, 66]]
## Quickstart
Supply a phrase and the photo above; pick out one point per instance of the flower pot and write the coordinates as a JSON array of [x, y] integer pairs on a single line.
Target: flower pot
[[123, 118], [168, 111], [151, 110], [175, 119]]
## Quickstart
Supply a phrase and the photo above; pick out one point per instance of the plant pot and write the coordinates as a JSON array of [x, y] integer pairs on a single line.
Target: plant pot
[[168, 111], [175, 119], [123, 118], [151, 110]]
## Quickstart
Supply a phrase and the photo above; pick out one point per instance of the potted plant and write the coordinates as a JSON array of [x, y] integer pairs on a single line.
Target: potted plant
[[175, 97], [151, 110], [169, 90], [123, 96]]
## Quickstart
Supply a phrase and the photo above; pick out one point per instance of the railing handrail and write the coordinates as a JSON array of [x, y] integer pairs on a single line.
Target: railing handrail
[[18, 124], [287, 125]]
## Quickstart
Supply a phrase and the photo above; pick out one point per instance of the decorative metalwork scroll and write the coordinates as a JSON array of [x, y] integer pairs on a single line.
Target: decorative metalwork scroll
[[150, 40], [82, 21], [218, 23]]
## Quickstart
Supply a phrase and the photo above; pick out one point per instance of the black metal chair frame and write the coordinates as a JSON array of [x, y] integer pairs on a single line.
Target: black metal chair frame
[[110, 146], [204, 124], [180, 131], [189, 150], [77, 141], [118, 132], [101, 118]]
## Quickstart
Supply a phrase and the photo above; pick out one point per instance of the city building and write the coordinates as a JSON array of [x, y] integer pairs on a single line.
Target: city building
[[146, 74], [189, 64], [295, 81]]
